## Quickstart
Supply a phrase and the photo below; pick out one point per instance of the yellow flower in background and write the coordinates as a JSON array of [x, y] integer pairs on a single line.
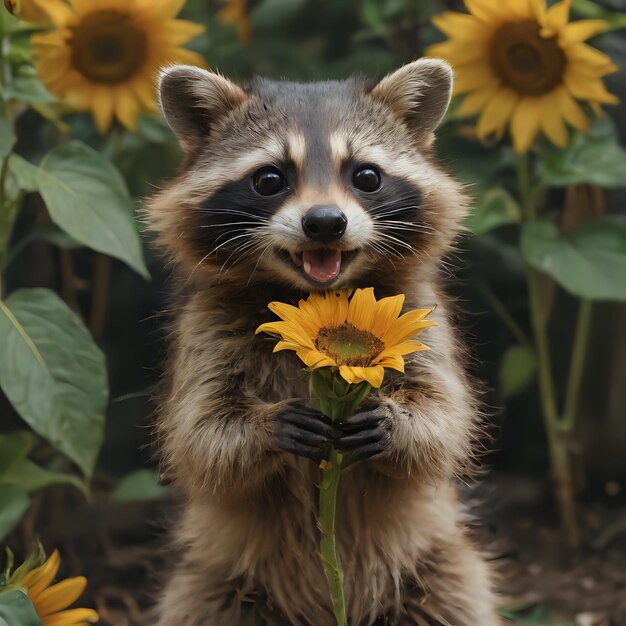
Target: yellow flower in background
[[235, 12], [37, 11], [104, 55], [525, 65], [359, 335], [50, 601]]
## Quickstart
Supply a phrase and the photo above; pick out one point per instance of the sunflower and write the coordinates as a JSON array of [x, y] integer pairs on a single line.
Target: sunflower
[[235, 12], [51, 600], [38, 11], [103, 55], [523, 64], [359, 335]]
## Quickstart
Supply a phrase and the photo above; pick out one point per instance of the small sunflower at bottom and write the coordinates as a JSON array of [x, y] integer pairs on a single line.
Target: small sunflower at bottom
[[51, 601]]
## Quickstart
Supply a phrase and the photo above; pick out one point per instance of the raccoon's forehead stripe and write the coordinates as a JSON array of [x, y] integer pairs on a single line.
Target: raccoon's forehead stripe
[[339, 150], [296, 147]]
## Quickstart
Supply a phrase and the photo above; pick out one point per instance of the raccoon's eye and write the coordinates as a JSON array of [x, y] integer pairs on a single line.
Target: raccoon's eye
[[366, 178], [268, 181]]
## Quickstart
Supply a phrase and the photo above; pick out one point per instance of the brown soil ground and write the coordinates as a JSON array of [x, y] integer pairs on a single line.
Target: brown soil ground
[[120, 548]]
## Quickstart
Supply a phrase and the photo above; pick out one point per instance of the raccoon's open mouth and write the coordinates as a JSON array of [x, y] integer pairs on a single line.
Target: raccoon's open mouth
[[319, 266]]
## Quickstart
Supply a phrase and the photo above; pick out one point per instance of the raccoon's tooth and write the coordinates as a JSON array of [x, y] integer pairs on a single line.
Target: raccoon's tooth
[[307, 267]]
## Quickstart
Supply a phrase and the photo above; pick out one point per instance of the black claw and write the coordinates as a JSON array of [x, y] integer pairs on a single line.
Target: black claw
[[305, 432], [361, 454], [365, 419], [361, 438], [299, 449]]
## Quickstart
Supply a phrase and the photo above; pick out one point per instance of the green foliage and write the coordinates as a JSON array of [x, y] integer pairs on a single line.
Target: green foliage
[[139, 486], [517, 370], [14, 502], [595, 158], [493, 208], [53, 373], [16, 609], [87, 197], [589, 262]]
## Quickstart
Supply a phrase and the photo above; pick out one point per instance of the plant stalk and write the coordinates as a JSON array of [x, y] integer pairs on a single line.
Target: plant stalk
[[336, 399], [558, 439]]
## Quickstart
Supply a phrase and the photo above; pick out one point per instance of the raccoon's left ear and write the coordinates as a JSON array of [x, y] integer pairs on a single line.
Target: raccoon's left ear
[[419, 92]]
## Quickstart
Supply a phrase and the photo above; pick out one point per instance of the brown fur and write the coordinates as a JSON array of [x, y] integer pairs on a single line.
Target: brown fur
[[248, 539]]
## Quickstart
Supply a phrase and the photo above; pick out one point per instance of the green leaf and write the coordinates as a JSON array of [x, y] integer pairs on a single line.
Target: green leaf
[[595, 158], [53, 373], [87, 197], [139, 486], [27, 89], [16, 609], [589, 262], [493, 208], [7, 138], [25, 173], [30, 476], [14, 503], [517, 370], [589, 9], [14, 448]]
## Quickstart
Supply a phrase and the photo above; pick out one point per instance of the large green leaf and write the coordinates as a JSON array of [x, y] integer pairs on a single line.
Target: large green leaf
[[13, 449], [16, 609], [495, 207], [595, 158], [30, 476], [25, 173], [7, 138], [27, 89], [14, 502], [140, 486], [589, 262], [53, 373], [87, 197]]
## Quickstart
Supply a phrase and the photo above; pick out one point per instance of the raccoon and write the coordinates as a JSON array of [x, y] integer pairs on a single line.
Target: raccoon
[[289, 188]]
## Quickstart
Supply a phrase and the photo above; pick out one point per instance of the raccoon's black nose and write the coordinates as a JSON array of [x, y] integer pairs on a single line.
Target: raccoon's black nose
[[324, 223]]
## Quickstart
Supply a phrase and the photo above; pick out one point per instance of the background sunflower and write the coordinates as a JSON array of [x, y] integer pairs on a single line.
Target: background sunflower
[[103, 55], [523, 64]]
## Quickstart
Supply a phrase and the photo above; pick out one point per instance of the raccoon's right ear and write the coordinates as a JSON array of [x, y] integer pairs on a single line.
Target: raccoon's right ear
[[420, 93], [192, 100]]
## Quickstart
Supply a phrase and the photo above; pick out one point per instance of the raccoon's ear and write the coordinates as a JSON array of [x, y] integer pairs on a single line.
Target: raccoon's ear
[[192, 100], [419, 92]]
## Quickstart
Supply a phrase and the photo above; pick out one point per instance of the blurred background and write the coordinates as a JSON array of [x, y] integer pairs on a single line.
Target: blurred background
[[115, 534]]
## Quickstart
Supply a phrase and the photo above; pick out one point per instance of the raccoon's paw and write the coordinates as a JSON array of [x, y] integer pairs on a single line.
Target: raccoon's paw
[[305, 432], [364, 435]]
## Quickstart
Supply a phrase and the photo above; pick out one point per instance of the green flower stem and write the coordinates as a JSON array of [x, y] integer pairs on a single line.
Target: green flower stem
[[577, 364], [336, 399], [558, 438]]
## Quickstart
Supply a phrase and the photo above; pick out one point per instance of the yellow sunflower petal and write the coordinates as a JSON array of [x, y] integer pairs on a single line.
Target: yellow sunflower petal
[[60, 596], [558, 14], [362, 308], [552, 122], [497, 113], [584, 88], [525, 123], [486, 10], [571, 110], [474, 76], [475, 101], [181, 31], [74, 617], [103, 107], [586, 57], [407, 326], [41, 577], [127, 108], [577, 32], [403, 348], [459, 26], [392, 361], [373, 375], [314, 358], [385, 314]]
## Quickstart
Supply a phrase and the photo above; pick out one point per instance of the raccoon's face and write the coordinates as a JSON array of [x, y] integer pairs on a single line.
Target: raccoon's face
[[313, 185]]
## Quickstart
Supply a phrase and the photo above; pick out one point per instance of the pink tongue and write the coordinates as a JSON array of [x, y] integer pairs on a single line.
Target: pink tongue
[[321, 265]]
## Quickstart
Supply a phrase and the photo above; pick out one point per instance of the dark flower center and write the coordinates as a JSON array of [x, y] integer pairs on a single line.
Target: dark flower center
[[524, 60], [108, 47], [349, 345]]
